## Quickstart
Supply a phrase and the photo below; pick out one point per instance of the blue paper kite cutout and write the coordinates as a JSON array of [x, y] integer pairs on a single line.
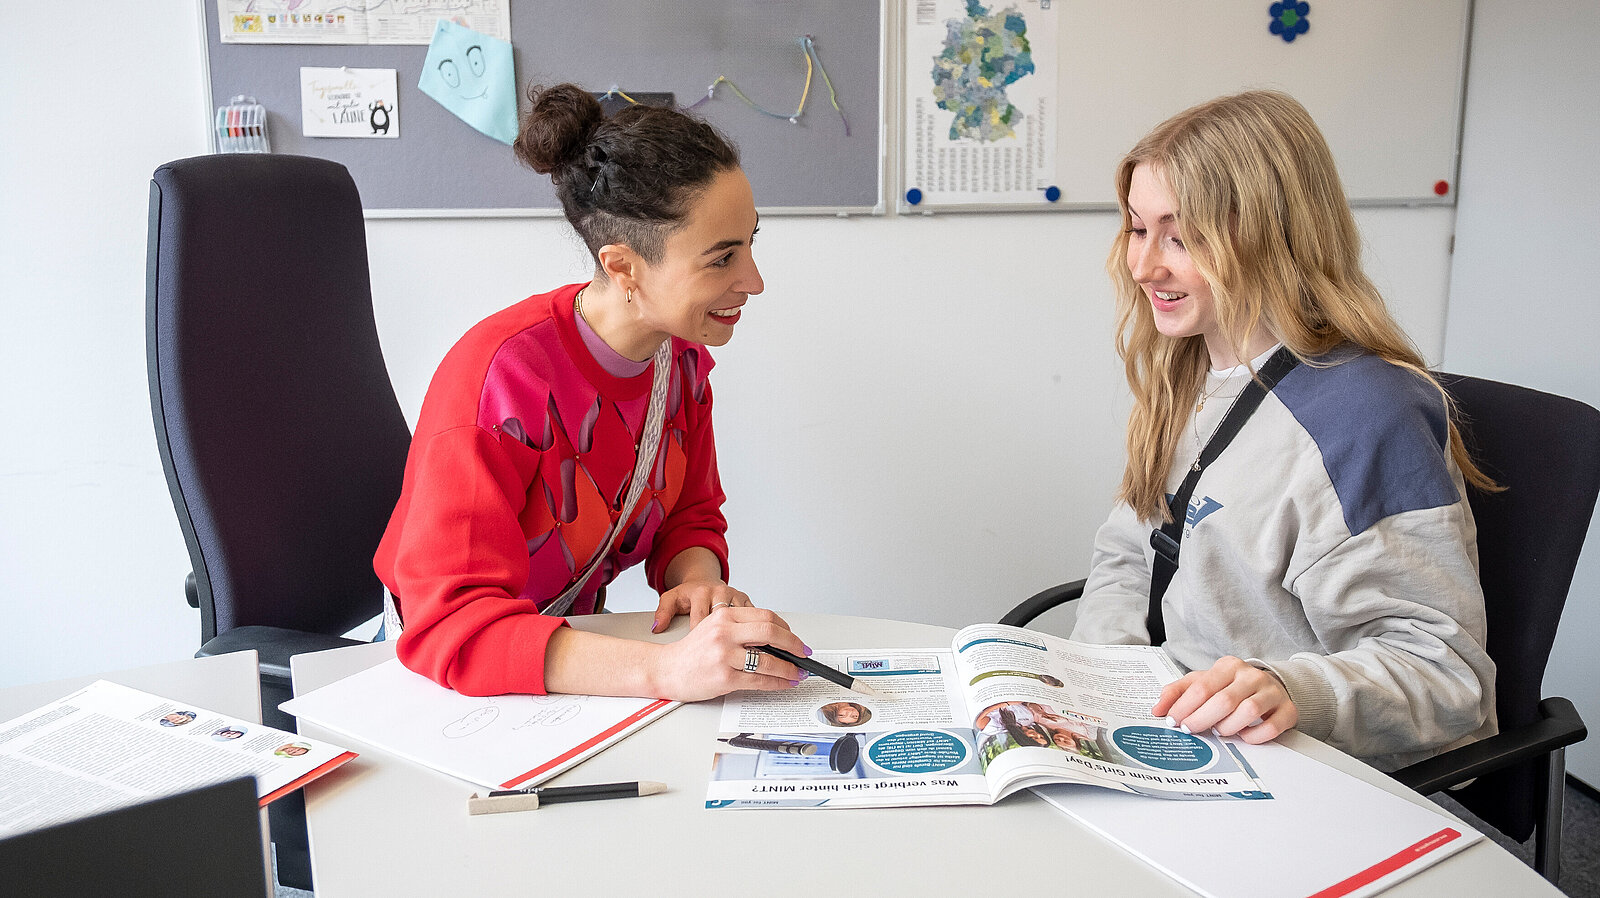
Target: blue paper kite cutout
[[472, 75]]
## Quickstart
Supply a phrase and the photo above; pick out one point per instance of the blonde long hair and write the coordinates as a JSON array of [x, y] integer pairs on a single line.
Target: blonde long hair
[[1267, 225]]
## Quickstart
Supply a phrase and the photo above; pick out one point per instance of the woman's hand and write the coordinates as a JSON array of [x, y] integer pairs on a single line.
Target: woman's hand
[[713, 658], [1236, 698], [696, 598]]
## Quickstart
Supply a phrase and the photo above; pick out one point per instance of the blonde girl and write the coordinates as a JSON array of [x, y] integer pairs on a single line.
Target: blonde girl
[[1327, 576]]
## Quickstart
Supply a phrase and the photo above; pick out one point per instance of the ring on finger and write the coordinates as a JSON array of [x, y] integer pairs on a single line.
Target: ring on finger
[[751, 659], [717, 605]]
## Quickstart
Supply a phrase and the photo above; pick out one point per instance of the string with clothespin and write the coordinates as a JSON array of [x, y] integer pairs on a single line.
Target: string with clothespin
[[616, 91], [813, 64]]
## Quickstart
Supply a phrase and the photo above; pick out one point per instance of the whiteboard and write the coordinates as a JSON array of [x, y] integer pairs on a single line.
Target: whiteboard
[[1384, 80]]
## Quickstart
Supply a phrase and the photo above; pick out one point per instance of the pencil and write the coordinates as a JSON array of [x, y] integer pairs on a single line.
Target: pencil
[[822, 670]]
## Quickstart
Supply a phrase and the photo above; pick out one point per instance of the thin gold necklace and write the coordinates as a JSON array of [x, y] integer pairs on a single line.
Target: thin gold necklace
[[1198, 405], [577, 306], [1195, 419]]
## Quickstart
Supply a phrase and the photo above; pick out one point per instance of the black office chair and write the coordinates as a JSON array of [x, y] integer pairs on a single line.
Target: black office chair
[[1545, 450], [279, 431]]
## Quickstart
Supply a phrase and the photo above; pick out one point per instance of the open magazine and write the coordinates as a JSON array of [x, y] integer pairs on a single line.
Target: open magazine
[[107, 746], [1000, 709]]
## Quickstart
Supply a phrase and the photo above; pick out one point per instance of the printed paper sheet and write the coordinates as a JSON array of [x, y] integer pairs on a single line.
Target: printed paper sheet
[[980, 101], [344, 22]]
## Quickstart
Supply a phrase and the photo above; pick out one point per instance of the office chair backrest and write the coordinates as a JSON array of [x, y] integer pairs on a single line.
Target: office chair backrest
[[281, 438], [1545, 450]]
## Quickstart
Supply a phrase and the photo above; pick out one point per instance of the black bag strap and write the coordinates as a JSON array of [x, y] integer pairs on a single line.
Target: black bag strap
[[1166, 539]]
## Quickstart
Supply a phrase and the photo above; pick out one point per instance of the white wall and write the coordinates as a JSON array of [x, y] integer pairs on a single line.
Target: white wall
[[1523, 301], [920, 419], [91, 561]]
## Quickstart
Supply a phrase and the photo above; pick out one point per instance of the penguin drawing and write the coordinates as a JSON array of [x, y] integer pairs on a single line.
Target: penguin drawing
[[379, 118]]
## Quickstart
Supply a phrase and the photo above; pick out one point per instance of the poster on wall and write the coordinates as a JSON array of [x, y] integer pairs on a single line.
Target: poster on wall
[[980, 82], [342, 22], [346, 102]]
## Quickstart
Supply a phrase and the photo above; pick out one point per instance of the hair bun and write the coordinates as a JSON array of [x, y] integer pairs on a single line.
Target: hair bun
[[557, 127]]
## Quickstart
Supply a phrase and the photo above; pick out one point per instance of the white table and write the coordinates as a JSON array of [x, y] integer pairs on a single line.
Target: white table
[[385, 826]]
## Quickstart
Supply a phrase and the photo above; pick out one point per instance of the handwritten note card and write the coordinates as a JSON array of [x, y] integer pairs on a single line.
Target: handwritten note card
[[346, 102]]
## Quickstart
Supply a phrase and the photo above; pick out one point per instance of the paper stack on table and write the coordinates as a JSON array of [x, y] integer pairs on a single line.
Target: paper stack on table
[[499, 742]]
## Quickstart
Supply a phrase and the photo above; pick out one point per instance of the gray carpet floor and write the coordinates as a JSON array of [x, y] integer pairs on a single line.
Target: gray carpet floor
[[1580, 844], [1580, 841]]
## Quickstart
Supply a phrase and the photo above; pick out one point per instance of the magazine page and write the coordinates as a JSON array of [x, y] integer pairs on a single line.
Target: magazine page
[[1047, 709], [107, 746], [819, 745]]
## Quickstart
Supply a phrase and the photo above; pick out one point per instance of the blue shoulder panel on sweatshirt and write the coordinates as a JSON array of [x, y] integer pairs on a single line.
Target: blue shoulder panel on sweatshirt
[[1383, 434]]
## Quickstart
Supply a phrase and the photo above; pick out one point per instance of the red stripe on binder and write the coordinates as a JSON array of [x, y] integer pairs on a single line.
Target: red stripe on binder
[[583, 747], [1383, 868], [283, 790]]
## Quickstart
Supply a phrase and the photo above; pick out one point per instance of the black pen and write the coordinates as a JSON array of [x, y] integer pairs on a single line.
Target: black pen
[[502, 800], [822, 670]]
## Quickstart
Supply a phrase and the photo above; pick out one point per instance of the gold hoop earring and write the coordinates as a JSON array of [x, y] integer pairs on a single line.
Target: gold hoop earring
[[630, 294]]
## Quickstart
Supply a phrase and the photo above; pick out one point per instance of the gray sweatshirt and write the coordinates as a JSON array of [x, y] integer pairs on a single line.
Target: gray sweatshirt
[[1331, 545]]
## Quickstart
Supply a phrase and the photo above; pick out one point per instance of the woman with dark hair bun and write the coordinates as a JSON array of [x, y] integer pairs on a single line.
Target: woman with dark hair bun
[[568, 437]]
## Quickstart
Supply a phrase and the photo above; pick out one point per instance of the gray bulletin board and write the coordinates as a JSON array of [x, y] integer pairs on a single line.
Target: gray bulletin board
[[1383, 79], [440, 166]]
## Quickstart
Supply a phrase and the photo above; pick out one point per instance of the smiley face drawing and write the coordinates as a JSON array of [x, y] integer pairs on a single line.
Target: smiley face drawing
[[472, 75], [451, 72]]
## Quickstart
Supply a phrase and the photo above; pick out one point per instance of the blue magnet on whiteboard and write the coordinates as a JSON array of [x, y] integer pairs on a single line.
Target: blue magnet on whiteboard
[[913, 196], [1289, 19], [1052, 193]]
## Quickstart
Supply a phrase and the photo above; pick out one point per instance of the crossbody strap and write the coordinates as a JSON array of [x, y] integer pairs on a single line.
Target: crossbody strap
[[649, 442], [1166, 539]]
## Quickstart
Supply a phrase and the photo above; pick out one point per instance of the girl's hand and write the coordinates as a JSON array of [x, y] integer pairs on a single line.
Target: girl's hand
[[711, 660], [1235, 698]]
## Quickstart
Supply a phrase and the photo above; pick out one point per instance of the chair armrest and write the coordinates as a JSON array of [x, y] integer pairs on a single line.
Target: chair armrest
[[1042, 602], [275, 645], [1558, 727]]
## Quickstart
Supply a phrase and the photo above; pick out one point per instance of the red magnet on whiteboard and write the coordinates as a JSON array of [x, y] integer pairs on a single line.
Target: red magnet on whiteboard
[[1441, 187]]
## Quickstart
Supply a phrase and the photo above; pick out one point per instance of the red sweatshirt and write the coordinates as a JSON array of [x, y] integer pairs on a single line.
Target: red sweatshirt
[[520, 461]]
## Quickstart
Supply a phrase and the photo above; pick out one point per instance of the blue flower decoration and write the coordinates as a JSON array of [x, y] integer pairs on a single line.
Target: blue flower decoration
[[1289, 20]]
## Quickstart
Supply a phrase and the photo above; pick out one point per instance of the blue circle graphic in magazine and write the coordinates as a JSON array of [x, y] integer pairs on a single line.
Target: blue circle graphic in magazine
[[917, 751], [1163, 749]]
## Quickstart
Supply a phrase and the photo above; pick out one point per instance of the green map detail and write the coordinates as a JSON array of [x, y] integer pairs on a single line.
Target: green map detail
[[983, 54]]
